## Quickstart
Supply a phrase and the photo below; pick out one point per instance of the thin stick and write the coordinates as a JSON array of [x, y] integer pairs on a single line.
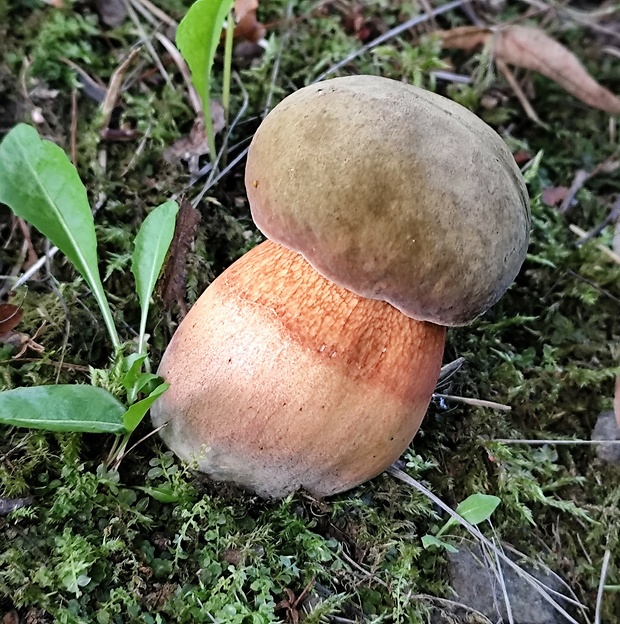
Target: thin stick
[[74, 121], [390, 34], [584, 235], [157, 12], [516, 88], [474, 402], [560, 442], [601, 587], [147, 42], [452, 367]]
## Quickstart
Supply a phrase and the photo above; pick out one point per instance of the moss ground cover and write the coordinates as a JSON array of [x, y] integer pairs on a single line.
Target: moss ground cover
[[153, 542]]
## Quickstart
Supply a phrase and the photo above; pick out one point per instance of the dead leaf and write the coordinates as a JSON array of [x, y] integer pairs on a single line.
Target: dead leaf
[[247, 26], [191, 147], [521, 157], [171, 284], [617, 400], [465, 37], [10, 618], [10, 316], [532, 48], [553, 195], [244, 7]]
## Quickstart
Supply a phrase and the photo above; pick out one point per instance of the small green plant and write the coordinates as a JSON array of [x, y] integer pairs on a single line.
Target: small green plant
[[198, 36], [474, 509], [40, 185]]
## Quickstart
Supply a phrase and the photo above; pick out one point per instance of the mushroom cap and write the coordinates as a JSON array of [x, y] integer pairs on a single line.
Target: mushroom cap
[[394, 193], [280, 379]]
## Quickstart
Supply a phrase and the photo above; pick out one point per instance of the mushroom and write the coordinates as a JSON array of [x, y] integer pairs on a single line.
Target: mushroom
[[311, 361]]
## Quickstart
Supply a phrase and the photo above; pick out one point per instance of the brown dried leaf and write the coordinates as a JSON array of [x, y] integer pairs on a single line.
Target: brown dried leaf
[[244, 7], [189, 148], [10, 316], [553, 195], [171, 284], [465, 37], [248, 27], [617, 400], [532, 48]]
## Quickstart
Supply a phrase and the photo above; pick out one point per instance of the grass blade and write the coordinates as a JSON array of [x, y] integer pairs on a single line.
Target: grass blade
[[39, 184], [151, 246], [62, 408]]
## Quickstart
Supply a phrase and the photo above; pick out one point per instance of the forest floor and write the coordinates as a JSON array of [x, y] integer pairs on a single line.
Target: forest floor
[[92, 544]]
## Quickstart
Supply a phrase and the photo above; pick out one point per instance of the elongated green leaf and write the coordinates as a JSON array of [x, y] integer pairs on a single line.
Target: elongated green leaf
[[134, 414], [62, 408], [197, 38], [151, 246], [475, 509], [39, 183], [162, 493]]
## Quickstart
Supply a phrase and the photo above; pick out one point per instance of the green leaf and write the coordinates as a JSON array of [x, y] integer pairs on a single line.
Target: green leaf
[[429, 541], [151, 246], [475, 509], [134, 414], [198, 36], [40, 185], [62, 408], [133, 365], [163, 494]]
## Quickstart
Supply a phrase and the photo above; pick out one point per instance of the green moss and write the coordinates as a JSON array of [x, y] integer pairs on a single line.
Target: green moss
[[105, 547]]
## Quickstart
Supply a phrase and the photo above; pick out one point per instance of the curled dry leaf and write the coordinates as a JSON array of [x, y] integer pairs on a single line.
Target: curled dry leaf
[[248, 27], [532, 48], [10, 316], [191, 147], [554, 195]]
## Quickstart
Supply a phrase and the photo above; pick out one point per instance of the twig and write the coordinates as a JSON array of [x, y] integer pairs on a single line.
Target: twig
[[474, 402], [179, 61], [50, 253], [111, 96], [578, 181], [363, 570], [276, 65], [612, 216], [157, 12], [74, 121], [147, 42], [584, 235], [601, 587], [556, 442], [494, 561], [516, 88]]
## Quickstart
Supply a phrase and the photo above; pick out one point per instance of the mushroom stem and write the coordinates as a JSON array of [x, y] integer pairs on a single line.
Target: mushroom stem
[[281, 379]]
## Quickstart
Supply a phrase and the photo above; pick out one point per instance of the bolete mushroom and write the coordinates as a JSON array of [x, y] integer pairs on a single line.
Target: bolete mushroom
[[310, 362]]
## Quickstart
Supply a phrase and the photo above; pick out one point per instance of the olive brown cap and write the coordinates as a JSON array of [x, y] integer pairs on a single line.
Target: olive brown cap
[[394, 193]]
